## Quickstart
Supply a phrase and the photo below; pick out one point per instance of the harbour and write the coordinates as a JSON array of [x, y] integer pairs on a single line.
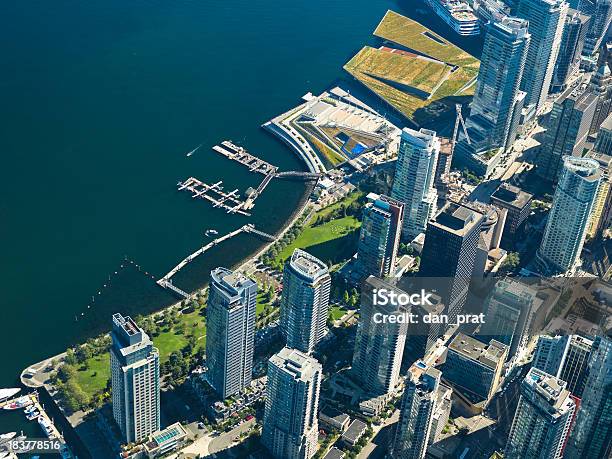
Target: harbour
[[125, 158]]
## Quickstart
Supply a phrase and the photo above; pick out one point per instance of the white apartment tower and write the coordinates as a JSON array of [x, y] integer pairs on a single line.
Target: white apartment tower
[[542, 419], [379, 347], [414, 429], [135, 380], [567, 222], [546, 21]]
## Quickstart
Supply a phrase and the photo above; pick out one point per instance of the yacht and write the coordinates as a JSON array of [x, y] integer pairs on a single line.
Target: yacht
[[5, 394], [457, 14], [21, 402]]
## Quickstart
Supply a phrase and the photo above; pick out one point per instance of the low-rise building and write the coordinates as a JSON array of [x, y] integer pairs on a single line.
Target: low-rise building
[[330, 419], [334, 453], [166, 440], [354, 432]]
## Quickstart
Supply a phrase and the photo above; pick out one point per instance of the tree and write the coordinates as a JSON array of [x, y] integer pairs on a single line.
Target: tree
[[66, 372], [70, 358], [345, 297], [511, 262]]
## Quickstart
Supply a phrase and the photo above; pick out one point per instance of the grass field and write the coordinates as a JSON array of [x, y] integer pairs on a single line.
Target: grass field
[[334, 240], [95, 378], [318, 235], [337, 312], [421, 74], [398, 77]]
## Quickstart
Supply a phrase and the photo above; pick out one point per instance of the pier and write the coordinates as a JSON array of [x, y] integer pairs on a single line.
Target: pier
[[240, 155], [214, 193], [166, 281]]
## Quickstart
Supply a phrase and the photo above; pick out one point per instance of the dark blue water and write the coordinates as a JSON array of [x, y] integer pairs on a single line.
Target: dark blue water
[[100, 101]]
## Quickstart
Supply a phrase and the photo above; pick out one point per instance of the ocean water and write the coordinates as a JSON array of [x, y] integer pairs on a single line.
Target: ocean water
[[100, 101]]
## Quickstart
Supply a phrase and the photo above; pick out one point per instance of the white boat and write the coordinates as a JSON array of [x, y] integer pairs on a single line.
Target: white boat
[[5, 394], [46, 426], [21, 402], [194, 150], [7, 436], [457, 14], [211, 232], [32, 415]]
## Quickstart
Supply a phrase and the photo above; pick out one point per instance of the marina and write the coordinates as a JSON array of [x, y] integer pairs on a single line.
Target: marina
[[214, 193], [34, 411]]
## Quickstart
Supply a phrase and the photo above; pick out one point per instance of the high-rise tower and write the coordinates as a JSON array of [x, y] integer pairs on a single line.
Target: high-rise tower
[[413, 183], [567, 222], [290, 427], [230, 318], [135, 380], [305, 301]]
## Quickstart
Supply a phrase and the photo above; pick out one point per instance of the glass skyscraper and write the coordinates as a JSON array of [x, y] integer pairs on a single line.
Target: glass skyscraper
[[230, 317], [567, 222], [413, 183], [305, 301]]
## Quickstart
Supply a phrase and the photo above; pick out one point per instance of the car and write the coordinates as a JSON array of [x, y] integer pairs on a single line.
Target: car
[[201, 425]]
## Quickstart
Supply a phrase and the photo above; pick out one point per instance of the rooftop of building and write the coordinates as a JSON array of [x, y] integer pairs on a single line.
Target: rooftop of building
[[605, 161], [355, 431], [334, 414], [230, 281], [586, 168], [581, 94], [334, 453], [607, 123], [511, 195], [169, 435], [457, 218], [549, 388], [307, 265], [126, 324], [299, 365], [423, 138], [489, 355]]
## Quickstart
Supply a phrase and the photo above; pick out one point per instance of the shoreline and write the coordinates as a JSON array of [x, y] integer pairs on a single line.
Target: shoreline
[[241, 265]]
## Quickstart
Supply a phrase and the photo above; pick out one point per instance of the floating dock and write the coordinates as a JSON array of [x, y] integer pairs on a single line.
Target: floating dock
[[239, 154], [214, 193]]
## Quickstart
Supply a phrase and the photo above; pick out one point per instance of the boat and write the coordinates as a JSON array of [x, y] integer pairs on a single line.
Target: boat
[[457, 14], [211, 232], [46, 426], [7, 436], [32, 415], [29, 409], [5, 394], [21, 402], [194, 150]]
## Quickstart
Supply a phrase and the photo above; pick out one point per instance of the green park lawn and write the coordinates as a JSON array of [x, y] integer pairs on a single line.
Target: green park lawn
[[95, 377], [337, 312], [318, 235]]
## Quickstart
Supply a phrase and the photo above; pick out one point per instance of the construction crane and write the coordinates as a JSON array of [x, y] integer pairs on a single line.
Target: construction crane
[[456, 130]]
